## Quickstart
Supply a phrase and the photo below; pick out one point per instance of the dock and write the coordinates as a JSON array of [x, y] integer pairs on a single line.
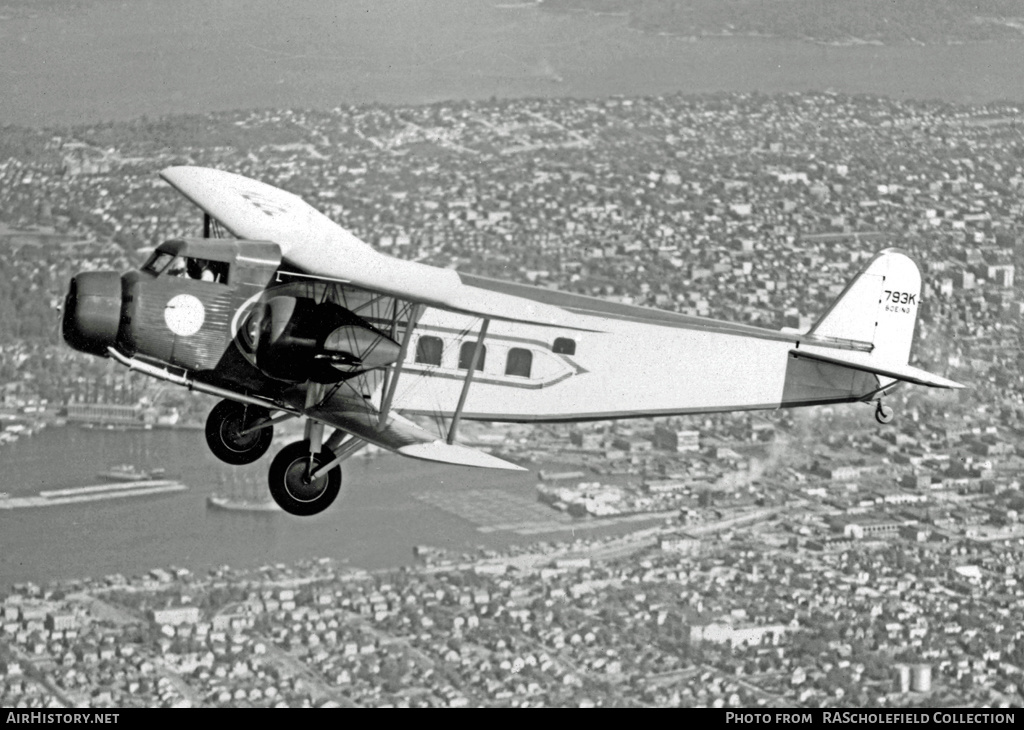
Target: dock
[[94, 493], [495, 510]]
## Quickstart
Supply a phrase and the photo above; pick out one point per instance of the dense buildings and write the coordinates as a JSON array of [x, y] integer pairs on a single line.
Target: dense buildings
[[811, 554]]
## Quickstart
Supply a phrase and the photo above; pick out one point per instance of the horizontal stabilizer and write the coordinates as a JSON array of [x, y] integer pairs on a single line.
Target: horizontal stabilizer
[[865, 363]]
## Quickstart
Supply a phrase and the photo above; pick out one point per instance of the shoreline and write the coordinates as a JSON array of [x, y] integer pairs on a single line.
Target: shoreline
[[847, 41], [638, 62]]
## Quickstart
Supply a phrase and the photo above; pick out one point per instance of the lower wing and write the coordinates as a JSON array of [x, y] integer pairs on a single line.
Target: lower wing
[[404, 437]]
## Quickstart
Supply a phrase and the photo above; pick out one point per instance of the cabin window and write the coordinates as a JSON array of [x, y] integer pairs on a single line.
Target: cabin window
[[466, 355], [564, 346], [428, 350], [519, 363]]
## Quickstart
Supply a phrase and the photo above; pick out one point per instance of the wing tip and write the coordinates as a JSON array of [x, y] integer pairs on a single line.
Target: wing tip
[[183, 174], [933, 380], [458, 455], [176, 171]]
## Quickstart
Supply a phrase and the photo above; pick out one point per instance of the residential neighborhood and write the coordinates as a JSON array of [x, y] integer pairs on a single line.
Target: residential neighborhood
[[805, 557]]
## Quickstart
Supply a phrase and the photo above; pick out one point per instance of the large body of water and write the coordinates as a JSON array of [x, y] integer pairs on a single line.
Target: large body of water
[[375, 523], [107, 59]]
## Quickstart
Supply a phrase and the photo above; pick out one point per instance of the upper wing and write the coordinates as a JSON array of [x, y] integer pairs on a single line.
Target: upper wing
[[402, 436], [315, 244]]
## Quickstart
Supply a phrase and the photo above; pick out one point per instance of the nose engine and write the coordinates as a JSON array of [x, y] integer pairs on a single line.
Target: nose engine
[[92, 311]]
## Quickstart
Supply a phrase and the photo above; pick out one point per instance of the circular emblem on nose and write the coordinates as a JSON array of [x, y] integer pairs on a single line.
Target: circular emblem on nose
[[184, 315]]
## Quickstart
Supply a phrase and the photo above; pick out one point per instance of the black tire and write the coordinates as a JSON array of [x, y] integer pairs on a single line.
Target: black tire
[[222, 432], [289, 486]]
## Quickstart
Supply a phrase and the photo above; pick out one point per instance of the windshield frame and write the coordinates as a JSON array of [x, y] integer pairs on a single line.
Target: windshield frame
[[158, 263]]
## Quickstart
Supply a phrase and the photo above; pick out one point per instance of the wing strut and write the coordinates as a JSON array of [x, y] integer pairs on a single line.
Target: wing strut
[[394, 333], [469, 379], [343, 449], [389, 393]]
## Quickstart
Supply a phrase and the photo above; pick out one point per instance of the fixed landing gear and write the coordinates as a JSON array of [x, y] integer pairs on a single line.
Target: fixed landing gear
[[305, 476], [294, 483], [884, 414], [234, 433]]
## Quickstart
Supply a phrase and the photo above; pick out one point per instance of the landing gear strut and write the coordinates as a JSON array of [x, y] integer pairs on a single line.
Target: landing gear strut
[[294, 484], [233, 432], [884, 414]]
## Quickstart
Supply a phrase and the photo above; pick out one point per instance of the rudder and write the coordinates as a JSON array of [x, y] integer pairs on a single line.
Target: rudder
[[878, 308]]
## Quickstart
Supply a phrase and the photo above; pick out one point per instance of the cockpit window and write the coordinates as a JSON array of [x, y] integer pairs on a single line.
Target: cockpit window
[[191, 267], [177, 267], [158, 262], [204, 270]]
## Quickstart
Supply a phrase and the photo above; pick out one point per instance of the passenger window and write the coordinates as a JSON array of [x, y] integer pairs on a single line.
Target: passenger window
[[519, 363], [564, 346], [428, 350], [466, 355]]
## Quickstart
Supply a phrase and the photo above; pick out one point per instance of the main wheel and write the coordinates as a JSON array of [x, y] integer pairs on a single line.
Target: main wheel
[[884, 414], [291, 487], [224, 435]]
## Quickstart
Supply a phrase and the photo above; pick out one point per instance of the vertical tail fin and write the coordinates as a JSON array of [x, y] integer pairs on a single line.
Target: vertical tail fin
[[870, 327], [878, 308]]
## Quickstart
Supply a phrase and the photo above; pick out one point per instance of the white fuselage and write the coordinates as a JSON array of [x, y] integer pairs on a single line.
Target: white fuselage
[[626, 369], [628, 361]]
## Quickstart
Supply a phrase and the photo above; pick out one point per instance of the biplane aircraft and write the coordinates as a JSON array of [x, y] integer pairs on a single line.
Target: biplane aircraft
[[291, 316]]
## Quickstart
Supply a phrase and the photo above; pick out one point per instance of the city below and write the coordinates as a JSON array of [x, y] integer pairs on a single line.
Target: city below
[[806, 557]]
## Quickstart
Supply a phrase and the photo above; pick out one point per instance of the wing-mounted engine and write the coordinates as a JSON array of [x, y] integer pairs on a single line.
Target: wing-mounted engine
[[295, 337]]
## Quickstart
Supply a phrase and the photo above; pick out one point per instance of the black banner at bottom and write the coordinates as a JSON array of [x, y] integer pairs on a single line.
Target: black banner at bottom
[[934, 718]]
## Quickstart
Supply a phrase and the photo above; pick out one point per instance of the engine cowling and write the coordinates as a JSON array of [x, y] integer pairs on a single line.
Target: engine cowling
[[300, 339], [92, 311]]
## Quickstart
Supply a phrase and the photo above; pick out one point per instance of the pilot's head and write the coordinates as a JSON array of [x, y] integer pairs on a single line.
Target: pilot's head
[[177, 267]]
